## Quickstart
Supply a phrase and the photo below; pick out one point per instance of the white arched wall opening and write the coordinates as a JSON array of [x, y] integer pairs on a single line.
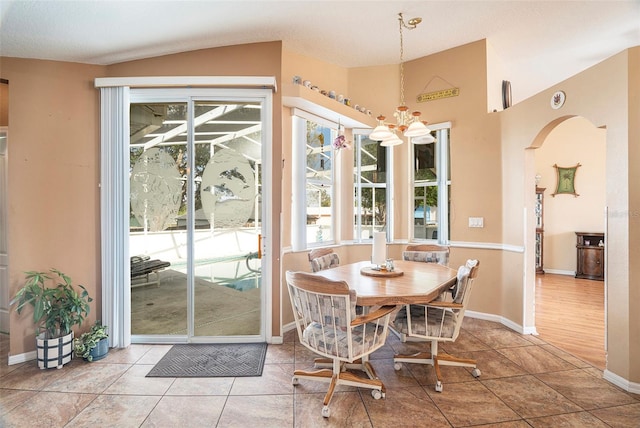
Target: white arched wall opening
[[597, 219]]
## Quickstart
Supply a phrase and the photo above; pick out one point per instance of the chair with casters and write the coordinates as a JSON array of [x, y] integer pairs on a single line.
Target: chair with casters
[[327, 324], [427, 253], [323, 258], [438, 321]]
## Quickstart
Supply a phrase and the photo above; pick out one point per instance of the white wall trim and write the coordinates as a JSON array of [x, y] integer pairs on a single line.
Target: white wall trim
[[22, 358], [560, 272], [456, 244], [502, 320], [488, 246], [265, 82], [288, 327], [623, 383]]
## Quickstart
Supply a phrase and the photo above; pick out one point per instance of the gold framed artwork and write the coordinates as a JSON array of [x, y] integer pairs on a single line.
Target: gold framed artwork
[[566, 180]]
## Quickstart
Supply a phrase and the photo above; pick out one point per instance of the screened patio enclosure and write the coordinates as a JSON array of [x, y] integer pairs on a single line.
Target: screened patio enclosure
[[195, 210]]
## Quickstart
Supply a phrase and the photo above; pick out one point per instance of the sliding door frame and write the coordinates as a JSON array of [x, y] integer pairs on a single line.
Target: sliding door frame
[[116, 96]]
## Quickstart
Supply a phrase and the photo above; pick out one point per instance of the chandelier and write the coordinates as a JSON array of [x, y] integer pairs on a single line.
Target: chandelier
[[408, 124]]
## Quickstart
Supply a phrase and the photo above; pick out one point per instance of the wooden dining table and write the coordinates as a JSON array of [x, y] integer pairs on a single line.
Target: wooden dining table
[[409, 283]]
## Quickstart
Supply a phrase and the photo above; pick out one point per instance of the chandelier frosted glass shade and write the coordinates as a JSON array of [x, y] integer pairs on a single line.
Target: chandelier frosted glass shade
[[380, 132], [417, 129], [392, 140], [423, 139]]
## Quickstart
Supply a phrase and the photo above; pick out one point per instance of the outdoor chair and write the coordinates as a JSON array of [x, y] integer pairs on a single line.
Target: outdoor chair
[[143, 266]]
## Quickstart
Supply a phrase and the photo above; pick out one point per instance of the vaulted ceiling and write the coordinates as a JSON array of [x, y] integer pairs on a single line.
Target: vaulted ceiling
[[539, 43]]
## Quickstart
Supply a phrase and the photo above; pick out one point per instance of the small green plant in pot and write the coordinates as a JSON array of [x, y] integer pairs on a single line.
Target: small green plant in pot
[[92, 345], [56, 310]]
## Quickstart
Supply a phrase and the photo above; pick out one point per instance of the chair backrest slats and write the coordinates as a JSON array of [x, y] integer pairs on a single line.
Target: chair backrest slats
[[324, 310], [427, 253], [323, 258]]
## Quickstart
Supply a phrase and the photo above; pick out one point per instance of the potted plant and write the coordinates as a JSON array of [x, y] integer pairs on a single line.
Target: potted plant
[[92, 345], [55, 311]]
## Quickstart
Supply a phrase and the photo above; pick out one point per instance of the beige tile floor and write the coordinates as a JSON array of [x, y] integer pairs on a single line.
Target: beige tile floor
[[525, 382]]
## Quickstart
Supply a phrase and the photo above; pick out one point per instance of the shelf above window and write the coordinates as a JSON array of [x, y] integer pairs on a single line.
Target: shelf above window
[[299, 96]]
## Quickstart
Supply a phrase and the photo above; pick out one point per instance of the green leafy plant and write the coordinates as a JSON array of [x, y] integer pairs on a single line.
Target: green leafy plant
[[83, 345], [55, 309]]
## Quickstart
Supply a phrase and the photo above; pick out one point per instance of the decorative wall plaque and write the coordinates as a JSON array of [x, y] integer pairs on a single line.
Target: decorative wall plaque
[[566, 177], [445, 93]]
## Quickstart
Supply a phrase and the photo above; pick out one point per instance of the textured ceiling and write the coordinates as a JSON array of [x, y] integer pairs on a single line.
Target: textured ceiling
[[539, 43]]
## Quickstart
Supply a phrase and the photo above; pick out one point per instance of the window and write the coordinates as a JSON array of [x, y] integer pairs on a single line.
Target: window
[[370, 187], [431, 187], [313, 184]]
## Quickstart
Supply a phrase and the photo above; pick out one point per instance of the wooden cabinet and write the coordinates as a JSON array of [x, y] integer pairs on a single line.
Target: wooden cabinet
[[539, 211], [590, 252]]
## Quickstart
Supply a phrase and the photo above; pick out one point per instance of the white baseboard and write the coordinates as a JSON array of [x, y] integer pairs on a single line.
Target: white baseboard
[[623, 383], [288, 327], [560, 272], [22, 358], [276, 340], [501, 320]]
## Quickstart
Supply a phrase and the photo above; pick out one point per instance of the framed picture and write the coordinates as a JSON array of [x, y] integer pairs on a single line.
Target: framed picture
[[566, 180]]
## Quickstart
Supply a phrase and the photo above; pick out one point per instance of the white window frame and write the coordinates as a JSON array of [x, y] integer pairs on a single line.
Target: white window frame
[[358, 136], [299, 184], [442, 182]]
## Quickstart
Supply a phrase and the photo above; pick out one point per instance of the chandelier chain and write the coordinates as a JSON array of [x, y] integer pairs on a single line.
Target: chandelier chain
[[408, 124], [401, 21]]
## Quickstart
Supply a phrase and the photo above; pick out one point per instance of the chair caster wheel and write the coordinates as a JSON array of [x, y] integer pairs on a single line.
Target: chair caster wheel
[[326, 412], [397, 366], [376, 394], [438, 386], [476, 372], [294, 380]]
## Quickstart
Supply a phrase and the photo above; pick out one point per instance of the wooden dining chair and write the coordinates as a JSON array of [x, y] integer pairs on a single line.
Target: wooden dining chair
[[323, 258], [438, 321], [427, 253], [327, 324]]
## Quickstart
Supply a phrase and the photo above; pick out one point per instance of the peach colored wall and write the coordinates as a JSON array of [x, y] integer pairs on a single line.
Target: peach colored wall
[[322, 74], [571, 142], [53, 206]]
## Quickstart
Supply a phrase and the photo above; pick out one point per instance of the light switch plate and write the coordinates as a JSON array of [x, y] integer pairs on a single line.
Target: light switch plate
[[476, 221]]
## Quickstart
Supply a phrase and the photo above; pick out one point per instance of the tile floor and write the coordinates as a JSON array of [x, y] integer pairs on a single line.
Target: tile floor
[[525, 382]]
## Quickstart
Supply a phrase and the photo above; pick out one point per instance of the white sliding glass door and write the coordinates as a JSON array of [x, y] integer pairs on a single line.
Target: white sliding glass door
[[195, 218]]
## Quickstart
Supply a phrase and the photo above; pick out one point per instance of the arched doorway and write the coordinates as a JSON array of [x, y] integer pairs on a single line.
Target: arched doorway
[[570, 142]]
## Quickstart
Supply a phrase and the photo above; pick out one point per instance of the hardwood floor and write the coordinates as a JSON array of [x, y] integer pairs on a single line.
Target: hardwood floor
[[570, 315]]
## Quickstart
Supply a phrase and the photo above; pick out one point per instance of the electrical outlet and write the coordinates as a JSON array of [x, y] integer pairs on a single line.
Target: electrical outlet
[[476, 221]]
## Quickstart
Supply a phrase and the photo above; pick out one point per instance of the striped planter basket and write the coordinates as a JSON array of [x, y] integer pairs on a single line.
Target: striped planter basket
[[54, 352]]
